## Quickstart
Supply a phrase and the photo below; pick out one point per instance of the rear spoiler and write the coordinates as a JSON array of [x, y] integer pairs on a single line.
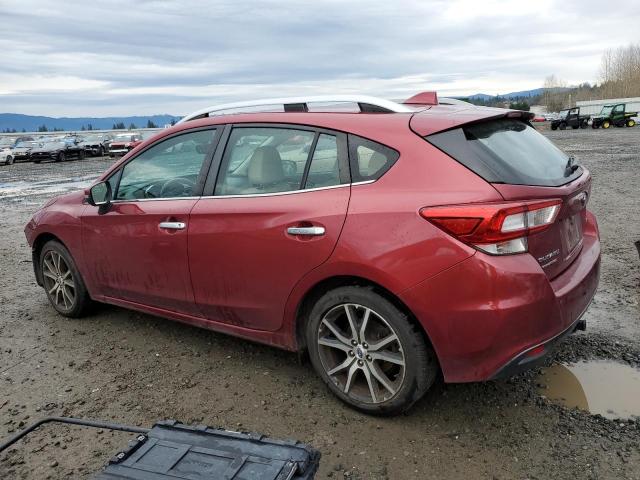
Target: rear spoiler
[[435, 120]]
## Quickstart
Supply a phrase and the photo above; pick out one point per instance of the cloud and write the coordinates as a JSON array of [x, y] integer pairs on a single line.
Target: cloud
[[120, 57]]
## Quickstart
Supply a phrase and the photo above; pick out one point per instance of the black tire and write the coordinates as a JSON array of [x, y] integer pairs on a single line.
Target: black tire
[[36, 161], [420, 365], [60, 157], [81, 155], [584, 125], [630, 123], [554, 127], [81, 302], [563, 126], [575, 127], [9, 160], [101, 151]]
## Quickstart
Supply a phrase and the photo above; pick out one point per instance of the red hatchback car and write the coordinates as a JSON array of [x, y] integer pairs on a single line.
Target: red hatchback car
[[390, 241]]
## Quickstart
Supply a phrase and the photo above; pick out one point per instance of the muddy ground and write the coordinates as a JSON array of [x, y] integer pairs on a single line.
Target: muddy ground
[[131, 368]]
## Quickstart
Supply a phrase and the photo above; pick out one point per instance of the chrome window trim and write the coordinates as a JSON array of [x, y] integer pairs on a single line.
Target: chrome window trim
[[249, 195]]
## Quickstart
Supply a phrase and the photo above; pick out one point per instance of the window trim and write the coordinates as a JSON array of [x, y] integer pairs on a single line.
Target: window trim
[[200, 181], [215, 169]]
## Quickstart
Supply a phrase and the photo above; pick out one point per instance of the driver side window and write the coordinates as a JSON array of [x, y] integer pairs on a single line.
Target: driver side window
[[168, 169]]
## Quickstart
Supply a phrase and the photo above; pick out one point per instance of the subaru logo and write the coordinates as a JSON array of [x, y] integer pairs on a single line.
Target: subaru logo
[[359, 352]]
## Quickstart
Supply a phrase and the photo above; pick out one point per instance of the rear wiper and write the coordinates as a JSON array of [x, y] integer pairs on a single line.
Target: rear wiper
[[570, 167]]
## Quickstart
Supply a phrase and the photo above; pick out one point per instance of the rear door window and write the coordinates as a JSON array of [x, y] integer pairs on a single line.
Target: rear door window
[[507, 151], [324, 170]]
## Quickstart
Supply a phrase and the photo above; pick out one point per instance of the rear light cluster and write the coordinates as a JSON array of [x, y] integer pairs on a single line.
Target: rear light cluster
[[495, 228]]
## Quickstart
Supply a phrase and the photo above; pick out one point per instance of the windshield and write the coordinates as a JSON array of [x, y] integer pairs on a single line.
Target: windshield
[[26, 144], [53, 145], [606, 110], [507, 151], [563, 113], [93, 138]]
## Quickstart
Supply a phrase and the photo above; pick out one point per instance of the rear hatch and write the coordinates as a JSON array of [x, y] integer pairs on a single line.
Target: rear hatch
[[526, 169]]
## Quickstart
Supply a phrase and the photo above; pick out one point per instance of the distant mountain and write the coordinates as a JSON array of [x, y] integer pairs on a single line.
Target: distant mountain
[[521, 94], [31, 123]]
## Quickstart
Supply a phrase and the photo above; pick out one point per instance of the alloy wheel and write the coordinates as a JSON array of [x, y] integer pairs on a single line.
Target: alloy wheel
[[58, 281], [361, 353]]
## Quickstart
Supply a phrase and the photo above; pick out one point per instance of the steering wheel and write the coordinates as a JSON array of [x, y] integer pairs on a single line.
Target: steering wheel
[[177, 187]]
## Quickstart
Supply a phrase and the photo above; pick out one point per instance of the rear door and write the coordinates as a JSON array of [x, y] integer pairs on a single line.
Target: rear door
[[275, 204], [522, 164]]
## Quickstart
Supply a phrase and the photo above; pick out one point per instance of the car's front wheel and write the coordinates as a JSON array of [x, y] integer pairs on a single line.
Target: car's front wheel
[[368, 352], [8, 160], [61, 280]]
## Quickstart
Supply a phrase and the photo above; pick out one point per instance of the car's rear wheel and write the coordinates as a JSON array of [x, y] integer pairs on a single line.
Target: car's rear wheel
[[61, 280], [563, 126], [368, 352], [631, 123]]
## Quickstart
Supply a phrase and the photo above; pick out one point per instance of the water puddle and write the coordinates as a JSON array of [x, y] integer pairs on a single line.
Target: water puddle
[[602, 387], [50, 187]]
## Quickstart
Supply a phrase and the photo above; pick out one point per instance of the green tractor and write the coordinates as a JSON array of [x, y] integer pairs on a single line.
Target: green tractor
[[614, 115]]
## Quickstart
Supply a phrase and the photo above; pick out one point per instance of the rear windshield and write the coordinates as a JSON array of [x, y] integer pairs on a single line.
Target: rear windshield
[[507, 151]]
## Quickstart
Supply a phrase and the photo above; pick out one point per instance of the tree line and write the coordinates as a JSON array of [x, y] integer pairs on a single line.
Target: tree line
[[116, 126], [619, 77]]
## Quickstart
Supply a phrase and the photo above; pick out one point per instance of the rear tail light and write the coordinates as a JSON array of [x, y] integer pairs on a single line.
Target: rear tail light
[[495, 228]]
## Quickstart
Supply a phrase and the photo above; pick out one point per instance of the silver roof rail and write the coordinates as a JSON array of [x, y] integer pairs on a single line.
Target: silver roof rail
[[300, 104]]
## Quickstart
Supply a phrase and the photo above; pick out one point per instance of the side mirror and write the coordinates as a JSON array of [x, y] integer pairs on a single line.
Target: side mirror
[[100, 194]]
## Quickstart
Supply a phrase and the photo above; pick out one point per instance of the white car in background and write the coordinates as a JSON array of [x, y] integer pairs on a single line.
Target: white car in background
[[6, 156]]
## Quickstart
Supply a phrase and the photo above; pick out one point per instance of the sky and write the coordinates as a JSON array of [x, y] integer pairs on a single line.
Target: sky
[[112, 57]]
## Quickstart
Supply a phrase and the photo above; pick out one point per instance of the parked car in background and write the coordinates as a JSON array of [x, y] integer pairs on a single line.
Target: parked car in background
[[123, 143], [395, 244], [13, 141], [538, 118], [570, 117], [6, 155], [96, 144], [22, 150], [57, 151]]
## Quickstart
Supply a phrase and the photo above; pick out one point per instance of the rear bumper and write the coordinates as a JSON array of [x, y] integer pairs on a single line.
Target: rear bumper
[[486, 315]]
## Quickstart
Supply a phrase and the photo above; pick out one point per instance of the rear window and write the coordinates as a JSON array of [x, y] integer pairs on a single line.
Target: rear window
[[507, 151]]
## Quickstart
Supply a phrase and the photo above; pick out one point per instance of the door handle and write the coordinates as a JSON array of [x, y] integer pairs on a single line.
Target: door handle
[[311, 231], [172, 225]]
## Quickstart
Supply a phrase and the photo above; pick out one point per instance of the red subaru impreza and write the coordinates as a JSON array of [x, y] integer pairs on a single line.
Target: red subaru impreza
[[390, 241]]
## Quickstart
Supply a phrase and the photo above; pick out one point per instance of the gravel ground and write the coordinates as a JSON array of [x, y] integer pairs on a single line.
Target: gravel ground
[[131, 368]]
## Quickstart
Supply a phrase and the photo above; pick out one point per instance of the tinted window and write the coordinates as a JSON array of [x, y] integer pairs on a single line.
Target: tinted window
[[264, 160], [168, 169], [369, 160], [324, 169], [507, 151]]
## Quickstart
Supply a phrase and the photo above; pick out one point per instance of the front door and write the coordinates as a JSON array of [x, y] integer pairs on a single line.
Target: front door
[[137, 249], [276, 213]]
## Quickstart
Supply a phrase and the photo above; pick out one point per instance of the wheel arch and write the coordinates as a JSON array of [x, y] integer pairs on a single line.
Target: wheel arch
[[39, 242], [320, 288]]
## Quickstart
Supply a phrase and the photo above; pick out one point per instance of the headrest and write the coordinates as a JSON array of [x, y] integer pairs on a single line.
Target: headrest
[[376, 162], [265, 166]]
